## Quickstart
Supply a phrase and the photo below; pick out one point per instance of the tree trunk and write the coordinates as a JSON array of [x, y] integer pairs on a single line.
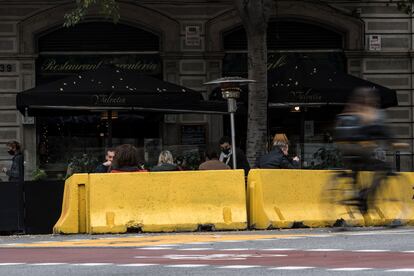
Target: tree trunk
[[255, 15]]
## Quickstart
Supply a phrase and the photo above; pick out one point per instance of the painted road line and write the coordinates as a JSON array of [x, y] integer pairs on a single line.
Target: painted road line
[[151, 241], [92, 264], [239, 266], [6, 264], [291, 267], [279, 249], [155, 248], [410, 251], [401, 270], [135, 265], [349, 269], [47, 264], [323, 250], [371, 250], [187, 265], [195, 249], [236, 249]]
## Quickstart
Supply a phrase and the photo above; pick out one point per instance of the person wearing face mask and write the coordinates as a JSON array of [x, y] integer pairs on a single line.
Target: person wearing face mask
[[16, 171], [226, 155], [278, 157]]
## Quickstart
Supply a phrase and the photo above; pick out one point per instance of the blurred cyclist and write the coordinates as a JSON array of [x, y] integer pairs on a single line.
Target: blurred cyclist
[[362, 138]]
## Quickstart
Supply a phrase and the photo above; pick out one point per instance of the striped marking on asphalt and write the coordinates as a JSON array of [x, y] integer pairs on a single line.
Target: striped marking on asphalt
[[135, 265], [291, 267], [195, 249], [239, 266], [152, 241], [48, 264], [400, 270], [371, 250], [349, 269], [410, 251], [237, 249], [92, 264], [279, 249], [155, 248], [187, 265], [323, 250], [6, 264]]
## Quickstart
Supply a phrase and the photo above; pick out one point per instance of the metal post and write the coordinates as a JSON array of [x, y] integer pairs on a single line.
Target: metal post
[[398, 161], [233, 140]]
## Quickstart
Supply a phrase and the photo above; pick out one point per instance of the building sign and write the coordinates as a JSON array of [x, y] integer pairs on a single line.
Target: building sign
[[307, 96], [108, 100], [375, 43], [69, 64], [192, 36]]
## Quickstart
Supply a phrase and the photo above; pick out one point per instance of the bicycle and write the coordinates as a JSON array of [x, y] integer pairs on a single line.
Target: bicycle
[[383, 197]]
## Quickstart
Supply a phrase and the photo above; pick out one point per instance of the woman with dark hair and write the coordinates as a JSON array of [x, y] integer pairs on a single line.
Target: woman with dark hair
[[127, 159], [16, 171]]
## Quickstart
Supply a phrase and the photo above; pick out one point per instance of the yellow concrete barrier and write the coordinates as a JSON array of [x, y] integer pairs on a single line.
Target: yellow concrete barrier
[[156, 202], [73, 216], [281, 198], [393, 201]]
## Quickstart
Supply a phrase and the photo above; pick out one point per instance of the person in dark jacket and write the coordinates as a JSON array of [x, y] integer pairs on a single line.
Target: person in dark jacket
[[106, 166], [16, 171], [212, 162], [165, 162], [278, 158], [127, 160], [226, 155]]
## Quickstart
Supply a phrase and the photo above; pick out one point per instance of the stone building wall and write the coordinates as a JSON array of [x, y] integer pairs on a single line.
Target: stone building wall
[[192, 62]]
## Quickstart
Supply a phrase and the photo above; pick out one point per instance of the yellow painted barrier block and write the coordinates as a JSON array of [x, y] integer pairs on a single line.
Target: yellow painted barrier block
[[73, 216], [280, 198], [394, 200], [166, 201]]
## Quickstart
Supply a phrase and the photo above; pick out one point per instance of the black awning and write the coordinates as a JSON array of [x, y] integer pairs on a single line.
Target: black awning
[[303, 83], [111, 88]]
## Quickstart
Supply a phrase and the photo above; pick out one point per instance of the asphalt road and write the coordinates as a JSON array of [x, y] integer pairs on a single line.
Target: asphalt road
[[361, 251]]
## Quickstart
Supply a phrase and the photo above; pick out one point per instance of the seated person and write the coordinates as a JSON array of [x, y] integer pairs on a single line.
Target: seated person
[[165, 162], [278, 158], [212, 162], [126, 160], [106, 166]]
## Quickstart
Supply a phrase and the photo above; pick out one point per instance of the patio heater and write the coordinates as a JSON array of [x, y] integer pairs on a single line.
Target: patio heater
[[230, 90]]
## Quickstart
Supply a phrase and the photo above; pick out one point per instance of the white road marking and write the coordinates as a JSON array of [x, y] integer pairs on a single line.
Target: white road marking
[[92, 264], [47, 264], [349, 269], [43, 242], [187, 265], [135, 265], [411, 251], [401, 270], [291, 267], [233, 241], [320, 236], [166, 245], [10, 244], [239, 266], [279, 249], [371, 250], [4, 264], [155, 248], [199, 242], [323, 250], [236, 249], [195, 249]]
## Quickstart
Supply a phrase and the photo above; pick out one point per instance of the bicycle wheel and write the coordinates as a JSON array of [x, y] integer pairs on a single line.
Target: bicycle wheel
[[338, 196], [392, 201]]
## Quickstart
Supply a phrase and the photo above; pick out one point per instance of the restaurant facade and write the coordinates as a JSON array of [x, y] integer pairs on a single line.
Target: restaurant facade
[[189, 43]]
